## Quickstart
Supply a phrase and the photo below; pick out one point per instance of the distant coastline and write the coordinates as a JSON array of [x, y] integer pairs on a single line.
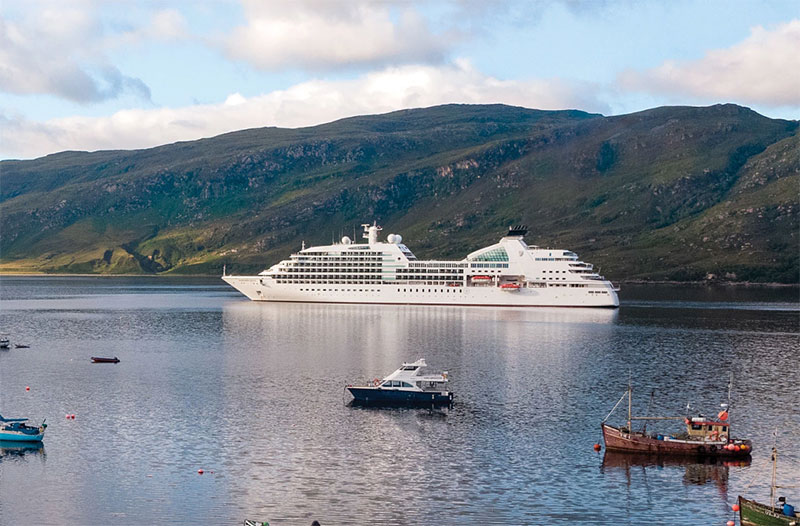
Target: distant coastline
[[707, 283]]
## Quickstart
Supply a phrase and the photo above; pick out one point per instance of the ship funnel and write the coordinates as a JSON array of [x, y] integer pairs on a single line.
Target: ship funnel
[[518, 230]]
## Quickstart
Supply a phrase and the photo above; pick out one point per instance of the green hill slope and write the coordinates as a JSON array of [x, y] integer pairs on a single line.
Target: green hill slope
[[669, 193]]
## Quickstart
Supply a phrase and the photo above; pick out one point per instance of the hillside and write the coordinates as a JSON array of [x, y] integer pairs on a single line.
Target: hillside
[[670, 193]]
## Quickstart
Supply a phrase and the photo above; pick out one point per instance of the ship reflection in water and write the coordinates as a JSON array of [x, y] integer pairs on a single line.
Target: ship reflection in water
[[11, 450], [697, 472]]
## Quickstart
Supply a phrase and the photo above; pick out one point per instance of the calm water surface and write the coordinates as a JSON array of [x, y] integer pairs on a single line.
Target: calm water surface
[[253, 394]]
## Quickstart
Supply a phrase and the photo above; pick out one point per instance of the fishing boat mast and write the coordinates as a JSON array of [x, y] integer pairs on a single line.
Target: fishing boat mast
[[630, 403], [774, 483]]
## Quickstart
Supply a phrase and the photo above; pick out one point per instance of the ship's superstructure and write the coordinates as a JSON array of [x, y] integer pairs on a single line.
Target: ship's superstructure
[[508, 273]]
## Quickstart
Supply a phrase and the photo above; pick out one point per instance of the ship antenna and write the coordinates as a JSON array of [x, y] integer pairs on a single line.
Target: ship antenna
[[223, 270]]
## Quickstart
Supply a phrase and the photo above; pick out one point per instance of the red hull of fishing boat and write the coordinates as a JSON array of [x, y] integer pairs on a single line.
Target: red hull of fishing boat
[[617, 440]]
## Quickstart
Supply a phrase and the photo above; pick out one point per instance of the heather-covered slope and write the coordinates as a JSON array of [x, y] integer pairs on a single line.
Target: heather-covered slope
[[669, 193]]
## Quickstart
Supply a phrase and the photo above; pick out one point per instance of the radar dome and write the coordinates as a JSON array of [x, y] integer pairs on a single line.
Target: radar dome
[[398, 238], [393, 238], [346, 240]]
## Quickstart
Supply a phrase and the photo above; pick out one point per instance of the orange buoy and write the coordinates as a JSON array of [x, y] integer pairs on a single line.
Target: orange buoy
[[730, 523], [735, 507], [722, 415], [737, 448], [27, 388], [597, 447]]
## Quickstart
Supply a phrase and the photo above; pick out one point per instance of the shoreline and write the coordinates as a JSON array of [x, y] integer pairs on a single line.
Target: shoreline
[[735, 284]]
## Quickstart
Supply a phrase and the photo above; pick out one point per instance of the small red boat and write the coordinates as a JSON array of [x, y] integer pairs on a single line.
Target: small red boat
[[97, 359], [704, 436]]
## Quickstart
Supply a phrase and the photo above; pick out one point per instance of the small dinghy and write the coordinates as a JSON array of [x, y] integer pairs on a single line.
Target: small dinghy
[[404, 387], [98, 359], [21, 346]]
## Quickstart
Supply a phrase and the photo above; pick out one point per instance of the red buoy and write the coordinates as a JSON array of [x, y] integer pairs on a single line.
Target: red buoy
[[200, 472], [735, 507], [597, 447], [730, 523], [27, 388], [66, 416]]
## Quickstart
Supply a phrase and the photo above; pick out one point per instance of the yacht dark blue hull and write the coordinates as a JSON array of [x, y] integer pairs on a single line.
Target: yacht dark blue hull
[[399, 397]]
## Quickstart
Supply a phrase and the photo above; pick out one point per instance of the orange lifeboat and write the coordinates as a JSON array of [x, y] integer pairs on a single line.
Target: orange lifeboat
[[481, 278], [510, 286]]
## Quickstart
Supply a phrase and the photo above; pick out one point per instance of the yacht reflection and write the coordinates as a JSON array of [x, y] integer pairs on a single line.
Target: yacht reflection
[[11, 449], [696, 471]]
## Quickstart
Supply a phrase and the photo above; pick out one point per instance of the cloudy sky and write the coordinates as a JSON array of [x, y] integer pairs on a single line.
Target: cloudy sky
[[89, 75]]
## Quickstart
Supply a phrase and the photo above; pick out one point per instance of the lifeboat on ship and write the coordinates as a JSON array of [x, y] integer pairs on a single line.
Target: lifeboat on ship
[[481, 279], [510, 287]]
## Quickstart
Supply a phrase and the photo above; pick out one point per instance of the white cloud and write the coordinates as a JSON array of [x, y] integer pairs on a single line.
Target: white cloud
[[303, 104], [162, 25], [323, 35], [762, 69], [55, 50]]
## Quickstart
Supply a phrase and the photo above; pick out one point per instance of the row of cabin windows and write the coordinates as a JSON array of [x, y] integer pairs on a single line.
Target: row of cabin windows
[[330, 282], [329, 265], [437, 265], [441, 270], [314, 255], [396, 383], [488, 265], [379, 290], [329, 270], [554, 259], [339, 290]]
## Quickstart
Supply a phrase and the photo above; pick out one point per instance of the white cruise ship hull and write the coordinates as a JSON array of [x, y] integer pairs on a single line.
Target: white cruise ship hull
[[257, 289]]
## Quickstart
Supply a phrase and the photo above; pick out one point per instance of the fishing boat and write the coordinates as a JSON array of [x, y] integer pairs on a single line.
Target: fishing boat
[[15, 429], [98, 359], [4, 343], [704, 436], [405, 386], [752, 513]]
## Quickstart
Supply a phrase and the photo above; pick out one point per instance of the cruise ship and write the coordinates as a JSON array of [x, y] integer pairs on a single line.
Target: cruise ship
[[509, 273]]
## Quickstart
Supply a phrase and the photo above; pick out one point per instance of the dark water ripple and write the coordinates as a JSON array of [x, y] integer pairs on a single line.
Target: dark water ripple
[[253, 394]]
